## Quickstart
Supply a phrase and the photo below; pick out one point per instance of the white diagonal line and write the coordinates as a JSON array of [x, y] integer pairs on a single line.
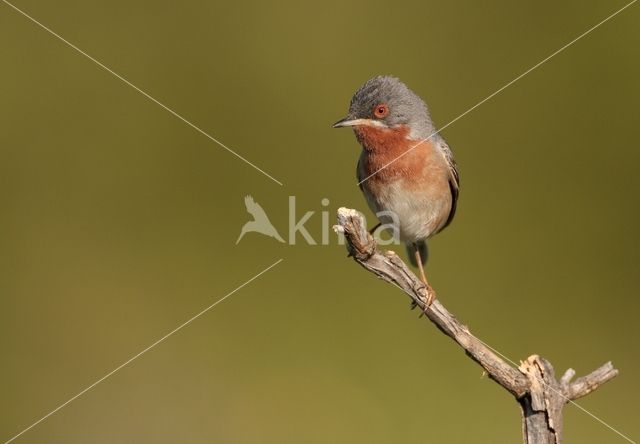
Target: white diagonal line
[[157, 102], [136, 356], [571, 401], [490, 96]]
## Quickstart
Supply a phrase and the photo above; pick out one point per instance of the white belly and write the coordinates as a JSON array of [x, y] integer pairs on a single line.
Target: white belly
[[417, 215]]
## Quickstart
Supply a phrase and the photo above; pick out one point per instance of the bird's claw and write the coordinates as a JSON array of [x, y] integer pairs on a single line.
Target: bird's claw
[[427, 299]]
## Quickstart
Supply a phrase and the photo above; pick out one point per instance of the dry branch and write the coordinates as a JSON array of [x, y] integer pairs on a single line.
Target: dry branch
[[540, 395]]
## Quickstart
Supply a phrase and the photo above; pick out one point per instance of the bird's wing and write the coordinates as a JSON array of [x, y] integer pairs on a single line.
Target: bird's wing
[[359, 173], [454, 180], [254, 208]]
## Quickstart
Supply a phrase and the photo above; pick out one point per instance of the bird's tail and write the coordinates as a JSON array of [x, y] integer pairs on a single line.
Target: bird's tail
[[242, 233], [422, 248], [277, 236]]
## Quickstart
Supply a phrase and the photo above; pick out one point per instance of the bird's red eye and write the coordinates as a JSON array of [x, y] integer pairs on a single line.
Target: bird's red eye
[[381, 111]]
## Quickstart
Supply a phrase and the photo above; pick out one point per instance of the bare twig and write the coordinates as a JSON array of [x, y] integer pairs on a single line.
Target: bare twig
[[534, 385]]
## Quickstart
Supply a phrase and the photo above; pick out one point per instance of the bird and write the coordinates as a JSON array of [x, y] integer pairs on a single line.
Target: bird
[[260, 222], [406, 170]]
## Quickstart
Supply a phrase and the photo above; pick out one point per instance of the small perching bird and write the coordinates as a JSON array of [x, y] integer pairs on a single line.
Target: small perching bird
[[406, 169], [260, 223]]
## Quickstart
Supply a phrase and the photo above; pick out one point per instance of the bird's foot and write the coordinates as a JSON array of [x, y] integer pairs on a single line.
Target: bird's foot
[[427, 295]]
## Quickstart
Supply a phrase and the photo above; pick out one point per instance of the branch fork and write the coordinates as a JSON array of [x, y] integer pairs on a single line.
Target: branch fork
[[534, 385]]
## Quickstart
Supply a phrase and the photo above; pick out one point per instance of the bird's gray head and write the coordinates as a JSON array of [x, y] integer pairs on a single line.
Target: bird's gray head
[[385, 101]]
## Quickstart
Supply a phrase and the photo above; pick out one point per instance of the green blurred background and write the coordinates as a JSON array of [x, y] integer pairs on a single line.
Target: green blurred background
[[118, 221]]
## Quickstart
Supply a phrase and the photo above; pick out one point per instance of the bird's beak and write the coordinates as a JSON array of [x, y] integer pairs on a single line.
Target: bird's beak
[[348, 121]]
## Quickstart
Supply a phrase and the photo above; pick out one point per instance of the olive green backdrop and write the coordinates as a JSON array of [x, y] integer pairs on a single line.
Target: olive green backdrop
[[119, 221]]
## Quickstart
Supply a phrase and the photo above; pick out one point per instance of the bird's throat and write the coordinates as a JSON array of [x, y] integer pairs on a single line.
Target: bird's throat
[[390, 154], [381, 139]]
